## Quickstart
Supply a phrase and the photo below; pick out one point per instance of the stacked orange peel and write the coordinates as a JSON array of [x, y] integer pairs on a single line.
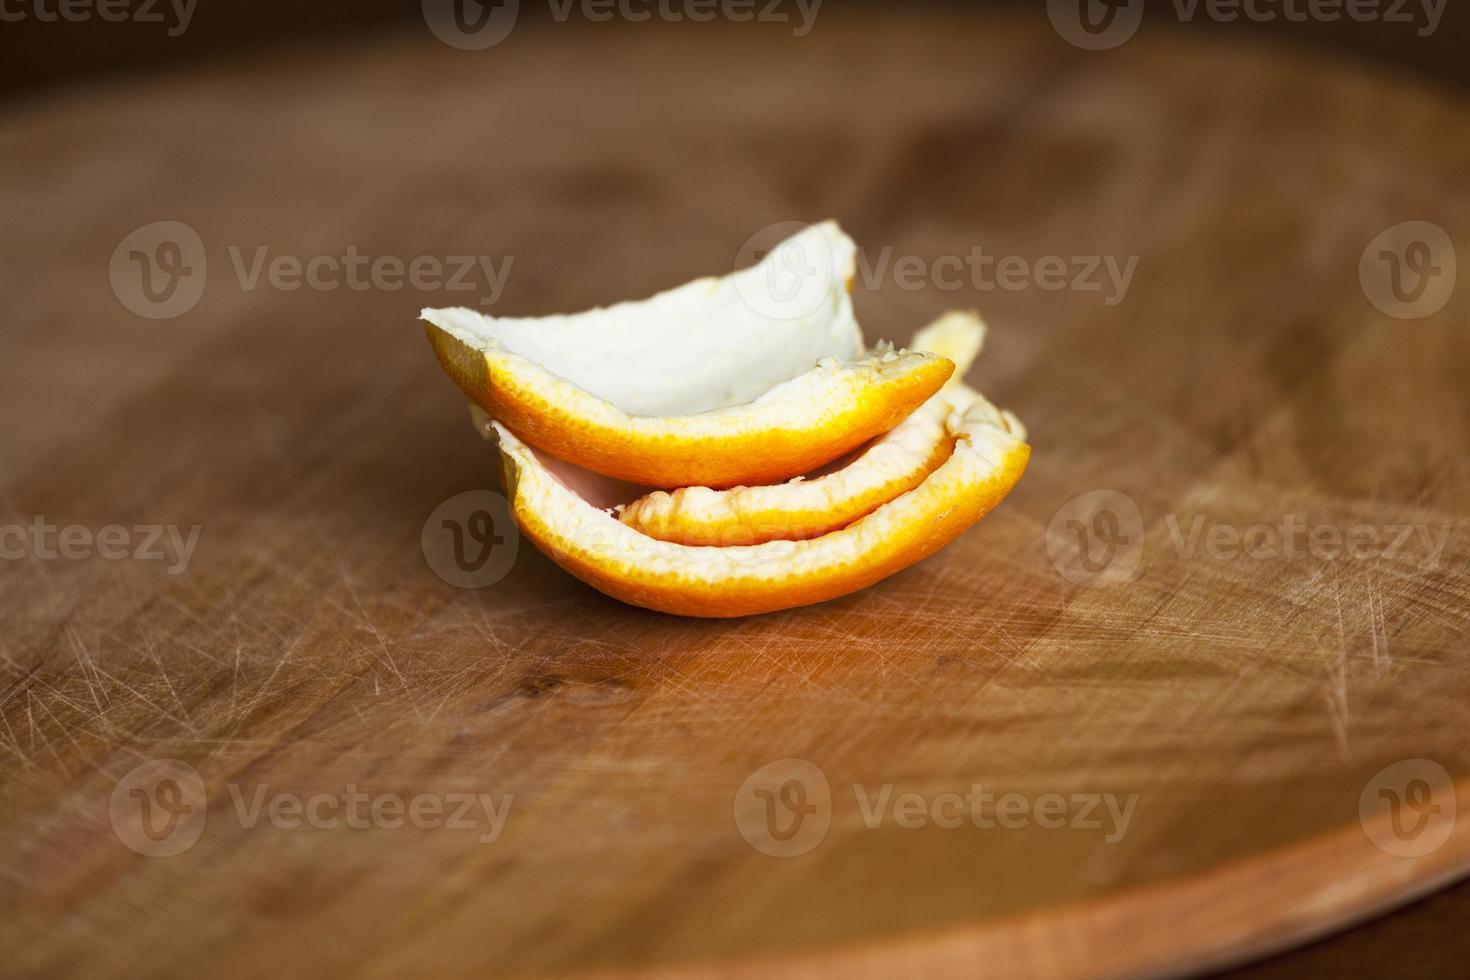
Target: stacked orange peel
[[732, 446]]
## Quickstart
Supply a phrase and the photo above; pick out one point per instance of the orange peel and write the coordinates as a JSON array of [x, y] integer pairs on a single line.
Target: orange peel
[[556, 505], [709, 384], [892, 464]]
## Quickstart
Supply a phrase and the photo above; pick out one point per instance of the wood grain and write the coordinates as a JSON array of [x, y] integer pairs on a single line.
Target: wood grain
[[307, 647]]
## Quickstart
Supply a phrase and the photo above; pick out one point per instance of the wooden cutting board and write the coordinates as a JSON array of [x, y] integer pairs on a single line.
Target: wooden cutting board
[[1190, 743]]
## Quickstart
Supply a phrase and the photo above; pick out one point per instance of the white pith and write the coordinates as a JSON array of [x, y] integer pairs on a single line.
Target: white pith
[[958, 336], [899, 455], [710, 344]]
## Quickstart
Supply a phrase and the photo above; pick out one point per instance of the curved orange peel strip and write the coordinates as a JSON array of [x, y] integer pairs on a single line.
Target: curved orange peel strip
[[591, 544], [711, 383], [892, 464], [792, 429]]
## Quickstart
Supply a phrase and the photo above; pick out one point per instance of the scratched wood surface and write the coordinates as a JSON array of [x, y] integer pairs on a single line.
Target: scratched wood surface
[[1236, 711]]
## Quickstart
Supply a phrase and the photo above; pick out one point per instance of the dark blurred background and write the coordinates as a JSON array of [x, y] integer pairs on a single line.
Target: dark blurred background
[[37, 54]]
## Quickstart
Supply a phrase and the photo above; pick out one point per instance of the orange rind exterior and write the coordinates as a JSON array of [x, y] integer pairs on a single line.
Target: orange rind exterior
[[890, 465], [794, 428], [986, 461], [894, 464]]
